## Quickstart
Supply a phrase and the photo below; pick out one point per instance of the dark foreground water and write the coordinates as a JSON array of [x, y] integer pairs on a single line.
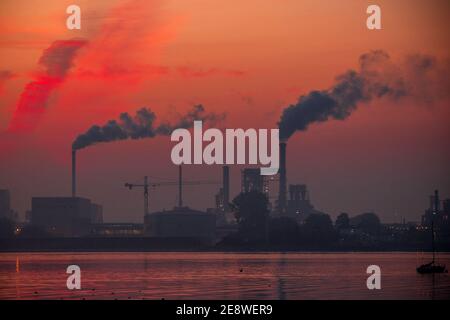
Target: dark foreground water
[[219, 276]]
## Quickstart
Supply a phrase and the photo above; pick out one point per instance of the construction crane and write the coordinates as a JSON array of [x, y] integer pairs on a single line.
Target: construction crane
[[180, 183], [145, 186]]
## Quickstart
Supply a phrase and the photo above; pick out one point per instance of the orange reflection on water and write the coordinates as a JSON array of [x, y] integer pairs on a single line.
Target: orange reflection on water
[[218, 276]]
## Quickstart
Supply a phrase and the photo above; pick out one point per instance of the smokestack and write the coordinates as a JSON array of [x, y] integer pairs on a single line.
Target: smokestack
[[226, 187], [282, 189], [74, 182]]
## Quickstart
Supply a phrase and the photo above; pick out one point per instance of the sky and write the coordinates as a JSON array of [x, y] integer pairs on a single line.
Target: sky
[[248, 59]]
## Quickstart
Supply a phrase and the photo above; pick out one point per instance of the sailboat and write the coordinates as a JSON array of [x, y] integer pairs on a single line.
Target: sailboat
[[433, 267]]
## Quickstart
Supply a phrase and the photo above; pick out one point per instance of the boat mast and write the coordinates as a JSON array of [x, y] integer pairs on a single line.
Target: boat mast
[[432, 237]]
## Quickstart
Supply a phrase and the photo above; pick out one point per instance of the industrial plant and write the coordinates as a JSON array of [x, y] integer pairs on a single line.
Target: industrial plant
[[75, 217]]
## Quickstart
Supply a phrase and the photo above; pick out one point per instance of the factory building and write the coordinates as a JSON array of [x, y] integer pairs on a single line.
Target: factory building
[[65, 216], [252, 180], [180, 222], [438, 213], [222, 210], [183, 222], [299, 205]]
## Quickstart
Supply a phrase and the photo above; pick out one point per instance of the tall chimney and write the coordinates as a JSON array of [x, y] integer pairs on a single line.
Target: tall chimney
[[226, 188], [74, 173], [282, 189]]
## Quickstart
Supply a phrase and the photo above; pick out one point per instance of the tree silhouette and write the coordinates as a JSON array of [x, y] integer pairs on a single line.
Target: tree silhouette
[[367, 222], [284, 231], [318, 230], [342, 222], [251, 210]]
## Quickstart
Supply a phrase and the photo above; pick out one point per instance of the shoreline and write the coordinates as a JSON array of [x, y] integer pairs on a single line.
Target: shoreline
[[142, 244]]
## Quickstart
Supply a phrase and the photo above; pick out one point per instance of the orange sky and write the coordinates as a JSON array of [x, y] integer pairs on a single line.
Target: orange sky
[[249, 59]]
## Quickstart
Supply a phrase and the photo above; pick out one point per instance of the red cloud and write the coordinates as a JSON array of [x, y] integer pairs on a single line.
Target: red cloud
[[56, 60]]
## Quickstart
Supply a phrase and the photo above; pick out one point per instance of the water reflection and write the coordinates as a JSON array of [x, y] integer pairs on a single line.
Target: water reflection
[[218, 276]]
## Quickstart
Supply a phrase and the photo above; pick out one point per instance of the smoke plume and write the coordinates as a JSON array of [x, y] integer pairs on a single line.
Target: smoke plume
[[5, 75], [56, 61], [378, 76], [141, 125]]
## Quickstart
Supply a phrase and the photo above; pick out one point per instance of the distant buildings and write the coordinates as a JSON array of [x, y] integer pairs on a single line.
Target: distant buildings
[[181, 222], [438, 213], [5, 206], [65, 216], [224, 216], [299, 206]]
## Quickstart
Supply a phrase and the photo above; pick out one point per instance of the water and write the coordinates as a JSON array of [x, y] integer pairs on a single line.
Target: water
[[219, 276]]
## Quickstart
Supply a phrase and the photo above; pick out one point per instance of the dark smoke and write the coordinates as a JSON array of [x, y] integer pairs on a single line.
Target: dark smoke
[[140, 126], [378, 76], [5, 75], [58, 58]]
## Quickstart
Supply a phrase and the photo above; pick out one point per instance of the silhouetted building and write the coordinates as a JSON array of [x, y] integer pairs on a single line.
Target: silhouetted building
[[437, 212], [223, 215], [220, 200], [446, 210], [222, 211], [65, 216], [5, 204], [252, 180], [299, 206], [181, 222]]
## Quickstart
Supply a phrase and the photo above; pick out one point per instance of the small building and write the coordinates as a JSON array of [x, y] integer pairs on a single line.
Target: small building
[[181, 222], [65, 216]]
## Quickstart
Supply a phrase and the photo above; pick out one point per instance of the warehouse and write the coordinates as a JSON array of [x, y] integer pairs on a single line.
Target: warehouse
[[65, 216]]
